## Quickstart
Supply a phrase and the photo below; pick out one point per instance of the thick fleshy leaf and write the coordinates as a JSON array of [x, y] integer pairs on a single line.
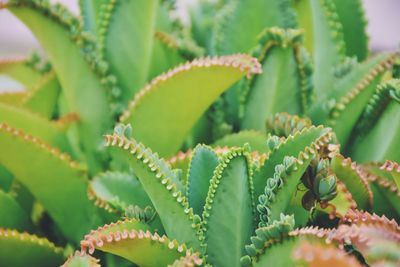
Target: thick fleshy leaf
[[323, 38], [201, 169], [314, 255], [269, 244], [377, 137], [283, 124], [126, 34], [356, 101], [132, 240], [118, 190], [12, 214], [393, 171], [229, 209], [189, 260], [351, 16], [345, 103], [349, 173], [153, 110], [249, 18], [32, 123], [22, 249], [52, 178], [181, 161], [278, 254], [386, 194], [157, 180], [80, 259], [281, 188], [291, 147], [43, 97], [386, 197], [19, 70], [90, 12], [357, 79], [24, 198], [202, 18], [377, 238], [6, 179], [86, 97], [257, 140], [341, 204], [285, 82], [12, 98], [164, 55]]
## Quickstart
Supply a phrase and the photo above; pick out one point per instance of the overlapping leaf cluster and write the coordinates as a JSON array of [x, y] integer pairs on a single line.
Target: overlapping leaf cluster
[[268, 188]]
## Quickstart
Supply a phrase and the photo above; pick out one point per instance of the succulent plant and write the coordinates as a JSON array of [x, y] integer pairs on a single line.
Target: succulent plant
[[248, 78]]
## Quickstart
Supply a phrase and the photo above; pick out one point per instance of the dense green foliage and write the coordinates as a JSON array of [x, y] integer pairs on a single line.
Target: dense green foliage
[[233, 143]]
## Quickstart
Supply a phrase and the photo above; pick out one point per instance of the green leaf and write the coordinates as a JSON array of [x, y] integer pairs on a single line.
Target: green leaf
[[118, 190], [181, 161], [132, 240], [12, 98], [386, 197], [86, 97], [188, 260], [323, 38], [24, 198], [126, 33], [382, 142], [356, 101], [81, 260], [385, 191], [278, 254], [55, 181], [22, 249], [377, 137], [164, 22], [43, 97], [281, 187], [270, 238], [392, 169], [239, 23], [202, 18], [229, 209], [164, 55], [279, 87], [351, 16], [201, 169], [256, 140], [12, 215], [283, 124], [350, 175], [154, 111], [291, 147], [159, 182], [343, 106], [342, 203], [34, 124], [90, 12], [6, 179], [19, 70]]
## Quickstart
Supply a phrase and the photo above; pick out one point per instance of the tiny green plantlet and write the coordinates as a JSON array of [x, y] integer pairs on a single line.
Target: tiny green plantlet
[[231, 140]]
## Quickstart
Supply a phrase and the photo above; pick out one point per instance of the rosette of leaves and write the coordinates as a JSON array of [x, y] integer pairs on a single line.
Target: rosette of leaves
[[123, 61], [228, 211], [321, 184]]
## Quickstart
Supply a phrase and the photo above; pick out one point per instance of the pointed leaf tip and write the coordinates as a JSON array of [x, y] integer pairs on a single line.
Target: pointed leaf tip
[[197, 85], [244, 62]]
